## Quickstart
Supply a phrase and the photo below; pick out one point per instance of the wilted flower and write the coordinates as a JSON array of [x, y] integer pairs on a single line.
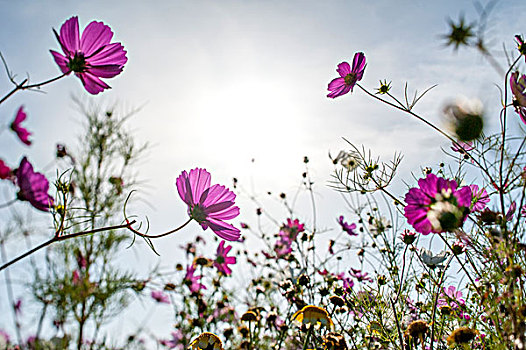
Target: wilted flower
[[518, 88], [432, 260], [208, 205], [408, 237], [417, 329], [33, 186], [223, 260], [91, 57], [465, 119], [348, 160], [334, 341], [206, 341], [437, 206], [346, 227], [313, 315], [16, 126], [521, 45], [458, 247], [348, 76], [160, 297], [461, 336]]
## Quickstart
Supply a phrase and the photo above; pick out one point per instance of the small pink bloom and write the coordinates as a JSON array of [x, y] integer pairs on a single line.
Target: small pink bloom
[[518, 88], [408, 237], [223, 260], [160, 297], [511, 211], [479, 198], [5, 171], [346, 227], [33, 186], [348, 76], [91, 56], [176, 342], [209, 205], [192, 281], [294, 227], [360, 276], [76, 277], [16, 126], [18, 306], [462, 147]]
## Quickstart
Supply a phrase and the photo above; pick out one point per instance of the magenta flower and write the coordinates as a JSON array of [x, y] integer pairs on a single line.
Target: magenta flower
[[33, 186], [408, 237], [208, 205], [451, 295], [91, 56], [21, 132], [176, 342], [283, 245], [348, 76], [223, 260], [160, 297], [518, 88], [346, 227], [437, 206], [294, 227], [479, 198], [192, 281], [360, 276], [511, 211], [5, 171]]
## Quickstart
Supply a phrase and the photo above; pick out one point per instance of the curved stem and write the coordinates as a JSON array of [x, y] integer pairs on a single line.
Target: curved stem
[[64, 237], [6, 204], [128, 226]]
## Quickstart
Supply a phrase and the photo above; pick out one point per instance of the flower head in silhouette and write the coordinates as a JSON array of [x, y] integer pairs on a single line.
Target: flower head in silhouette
[[90, 56], [208, 205], [33, 186], [16, 126], [349, 76]]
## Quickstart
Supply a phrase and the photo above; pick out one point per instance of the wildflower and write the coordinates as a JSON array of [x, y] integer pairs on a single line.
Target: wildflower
[[417, 329], [16, 126], [313, 315], [208, 205], [348, 160], [521, 45], [479, 198], [334, 341], [348, 76], [460, 33], [431, 260], [465, 119], [384, 88], [511, 211], [283, 245], [176, 342], [223, 260], [437, 205], [518, 88], [462, 147], [461, 336], [453, 296], [249, 316], [206, 341], [293, 227], [458, 247], [33, 186], [360, 276], [192, 281], [346, 227], [91, 56], [5, 171], [160, 297], [337, 300], [408, 237], [379, 226]]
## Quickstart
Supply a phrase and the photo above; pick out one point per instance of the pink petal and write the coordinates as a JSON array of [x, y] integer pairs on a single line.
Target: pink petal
[[61, 61], [199, 181], [215, 194], [95, 36], [343, 69], [108, 71], [224, 230], [108, 55], [91, 83], [69, 35], [341, 91], [183, 188], [358, 63], [20, 116], [336, 84]]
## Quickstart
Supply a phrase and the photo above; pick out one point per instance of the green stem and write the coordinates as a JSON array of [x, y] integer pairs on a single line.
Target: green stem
[[307, 338]]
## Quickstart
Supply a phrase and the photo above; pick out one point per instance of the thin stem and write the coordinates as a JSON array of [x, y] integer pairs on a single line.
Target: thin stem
[[128, 226], [436, 301], [64, 237], [6, 204], [21, 86], [10, 295], [399, 330], [307, 338]]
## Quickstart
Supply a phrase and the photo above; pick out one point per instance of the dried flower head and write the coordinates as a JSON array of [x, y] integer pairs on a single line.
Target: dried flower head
[[206, 341], [334, 341], [417, 329], [461, 336], [313, 315]]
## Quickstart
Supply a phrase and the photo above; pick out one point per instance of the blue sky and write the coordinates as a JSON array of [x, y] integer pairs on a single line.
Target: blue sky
[[223, 82]]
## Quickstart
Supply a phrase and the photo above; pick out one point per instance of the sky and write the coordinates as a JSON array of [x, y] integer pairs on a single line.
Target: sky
[[239, 87]]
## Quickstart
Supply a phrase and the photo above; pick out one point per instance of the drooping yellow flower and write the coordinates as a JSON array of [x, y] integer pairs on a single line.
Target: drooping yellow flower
[[206, 341], [311, 314]]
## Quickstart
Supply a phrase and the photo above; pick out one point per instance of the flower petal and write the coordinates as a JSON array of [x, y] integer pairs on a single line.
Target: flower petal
[[224, 230], [61, 61], [108, 55], [91, 83], [69, 36], [95, 36], [358, 63], [343, 69]]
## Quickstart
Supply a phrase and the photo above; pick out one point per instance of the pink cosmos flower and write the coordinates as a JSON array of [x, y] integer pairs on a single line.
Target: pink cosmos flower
[[360, 276], [479, 198], [451, 297], [518, 88], [223, 260], [91, 56], [348, 76], [160, 297], [208, 205], [462, 147], [5, 171], [176, 342], [33, 186], [294, 227], [283, 245], [408, 237], [437, 206], [22, 132], [346, 227], [192, 281]]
